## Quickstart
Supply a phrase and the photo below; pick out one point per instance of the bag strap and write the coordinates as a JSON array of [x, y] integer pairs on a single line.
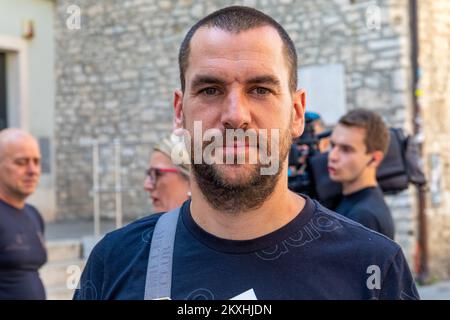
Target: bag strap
[[158, 281]]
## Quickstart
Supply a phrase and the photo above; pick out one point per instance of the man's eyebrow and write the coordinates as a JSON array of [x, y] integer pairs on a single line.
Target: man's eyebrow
[[200, 80], [26, 158], [264, 79], [341, 145]]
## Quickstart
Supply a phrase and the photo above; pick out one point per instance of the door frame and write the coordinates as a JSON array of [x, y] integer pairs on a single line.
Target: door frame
[[17, 74]]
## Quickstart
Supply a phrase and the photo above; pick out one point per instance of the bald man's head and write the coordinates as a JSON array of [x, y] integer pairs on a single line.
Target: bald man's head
[[20, 166], [13, 136]]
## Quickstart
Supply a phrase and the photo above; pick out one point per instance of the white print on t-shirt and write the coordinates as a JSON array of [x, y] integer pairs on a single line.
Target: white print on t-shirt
[[247, 295], [206, 294], [308, 233]]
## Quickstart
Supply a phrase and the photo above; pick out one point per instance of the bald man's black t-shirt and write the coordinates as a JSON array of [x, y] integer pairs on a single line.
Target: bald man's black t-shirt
[[22, 253], [318, 255], [367, 206]]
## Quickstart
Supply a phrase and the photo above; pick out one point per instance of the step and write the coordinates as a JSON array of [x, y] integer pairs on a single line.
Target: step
[[63, 250], [57, 274], [59, 293]]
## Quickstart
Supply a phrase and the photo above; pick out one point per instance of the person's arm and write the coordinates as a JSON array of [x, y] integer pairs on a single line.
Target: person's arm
[[398, 282], [91, 283]]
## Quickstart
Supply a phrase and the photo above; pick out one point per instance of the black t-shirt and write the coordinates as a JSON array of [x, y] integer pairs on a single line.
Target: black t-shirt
[[367, 206], [318, 255], [22, 252]]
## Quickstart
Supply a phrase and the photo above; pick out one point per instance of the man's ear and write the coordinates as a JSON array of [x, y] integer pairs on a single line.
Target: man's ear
[[178, 110], [298, 118], [377, 157]]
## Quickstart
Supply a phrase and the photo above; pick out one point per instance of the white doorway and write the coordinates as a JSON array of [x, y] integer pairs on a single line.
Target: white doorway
[[14, 97]]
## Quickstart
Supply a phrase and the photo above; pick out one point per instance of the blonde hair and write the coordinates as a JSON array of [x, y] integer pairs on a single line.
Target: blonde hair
[[167, 145]]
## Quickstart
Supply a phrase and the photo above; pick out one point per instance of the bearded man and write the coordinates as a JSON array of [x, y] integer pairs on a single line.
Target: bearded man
[[243, 234]]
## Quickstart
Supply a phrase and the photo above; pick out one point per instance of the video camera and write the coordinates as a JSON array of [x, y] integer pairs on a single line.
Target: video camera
[[308, 166], [302, 150]]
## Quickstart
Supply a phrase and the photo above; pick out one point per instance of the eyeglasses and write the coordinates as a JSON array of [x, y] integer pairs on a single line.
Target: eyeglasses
[[154, 173]]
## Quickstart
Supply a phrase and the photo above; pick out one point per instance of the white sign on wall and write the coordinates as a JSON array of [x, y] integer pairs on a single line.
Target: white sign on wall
[[435, 179], [325, 90]]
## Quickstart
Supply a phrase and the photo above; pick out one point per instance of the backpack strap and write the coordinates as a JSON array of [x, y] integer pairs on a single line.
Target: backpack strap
[[158, 281]]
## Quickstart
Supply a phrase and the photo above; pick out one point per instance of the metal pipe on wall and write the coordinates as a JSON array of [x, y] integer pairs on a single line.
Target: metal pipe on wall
[[96, 187], [422, 241], [118, 182]]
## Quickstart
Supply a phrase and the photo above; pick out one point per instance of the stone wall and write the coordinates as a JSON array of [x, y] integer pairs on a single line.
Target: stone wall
[[434, 31], [116, 75]]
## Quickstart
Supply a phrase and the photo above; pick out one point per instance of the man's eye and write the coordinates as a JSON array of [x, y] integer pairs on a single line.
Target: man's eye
[[209, 91], [261, 91]]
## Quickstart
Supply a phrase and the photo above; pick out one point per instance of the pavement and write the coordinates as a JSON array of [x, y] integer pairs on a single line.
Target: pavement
[[437, 291], [76, 229]]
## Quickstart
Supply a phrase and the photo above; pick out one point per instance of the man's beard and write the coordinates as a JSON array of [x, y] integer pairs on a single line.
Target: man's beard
[[245, 195]]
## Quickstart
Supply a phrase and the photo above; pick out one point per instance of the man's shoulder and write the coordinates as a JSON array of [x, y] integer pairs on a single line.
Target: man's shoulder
[[363, 238], [32, 210], [141, 229], [371, 200], [127, 241], [29, 206], [363, 213], [371, 207], [113, 255]]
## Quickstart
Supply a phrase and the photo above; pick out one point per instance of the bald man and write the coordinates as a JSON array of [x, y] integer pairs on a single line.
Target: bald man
[[22, 249]]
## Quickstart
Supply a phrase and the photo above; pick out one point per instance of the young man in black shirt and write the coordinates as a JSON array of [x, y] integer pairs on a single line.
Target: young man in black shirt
[[22, 250], [243, 234], [359, 142]]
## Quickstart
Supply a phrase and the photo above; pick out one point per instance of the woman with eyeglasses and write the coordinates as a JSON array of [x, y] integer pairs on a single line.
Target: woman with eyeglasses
[[167, 184]]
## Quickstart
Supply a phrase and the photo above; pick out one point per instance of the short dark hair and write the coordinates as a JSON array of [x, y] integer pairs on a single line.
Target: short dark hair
[[235, 19], [377, 133]]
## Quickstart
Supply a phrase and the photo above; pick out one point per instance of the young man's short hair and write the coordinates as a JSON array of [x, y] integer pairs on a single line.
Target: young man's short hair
[[377, 133]]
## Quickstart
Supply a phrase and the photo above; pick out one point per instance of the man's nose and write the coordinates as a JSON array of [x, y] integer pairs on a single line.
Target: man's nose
[[33, 168], [236, 112], [332, 155]]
